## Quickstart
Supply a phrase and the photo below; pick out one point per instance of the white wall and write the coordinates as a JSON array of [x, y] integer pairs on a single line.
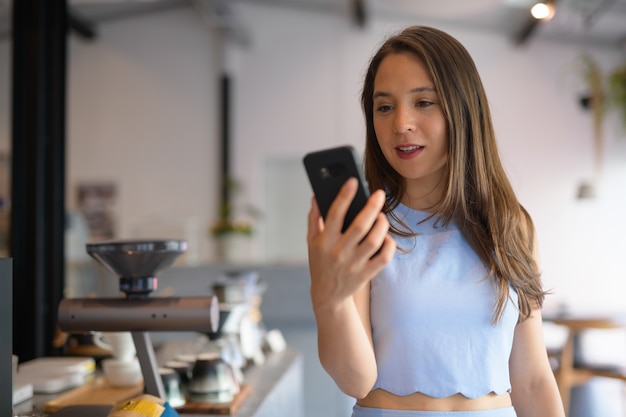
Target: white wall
[[143, 113]]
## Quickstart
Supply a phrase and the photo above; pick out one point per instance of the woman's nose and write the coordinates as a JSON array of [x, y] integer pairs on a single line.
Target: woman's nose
[[404, 120]]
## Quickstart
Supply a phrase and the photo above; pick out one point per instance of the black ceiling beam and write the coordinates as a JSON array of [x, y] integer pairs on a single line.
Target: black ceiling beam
[[530, 25], [84, 28], [527, 29], [599, 8]]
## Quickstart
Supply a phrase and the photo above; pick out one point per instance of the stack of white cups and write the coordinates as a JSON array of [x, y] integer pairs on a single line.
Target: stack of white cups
[[122, 369]]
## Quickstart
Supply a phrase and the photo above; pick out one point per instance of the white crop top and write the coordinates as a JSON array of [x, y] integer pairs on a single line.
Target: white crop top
[[431, 314]]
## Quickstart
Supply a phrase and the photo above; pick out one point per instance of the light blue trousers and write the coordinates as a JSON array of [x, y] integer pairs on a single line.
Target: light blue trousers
[[359, 411]]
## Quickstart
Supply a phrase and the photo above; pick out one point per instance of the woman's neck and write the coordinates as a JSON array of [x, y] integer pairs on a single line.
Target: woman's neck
[[423, 194]]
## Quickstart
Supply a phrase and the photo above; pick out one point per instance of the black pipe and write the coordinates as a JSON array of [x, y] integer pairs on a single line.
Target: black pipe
[[225, 142]]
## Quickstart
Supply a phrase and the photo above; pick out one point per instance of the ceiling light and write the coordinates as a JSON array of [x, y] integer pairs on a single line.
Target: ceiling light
[[542, 11]]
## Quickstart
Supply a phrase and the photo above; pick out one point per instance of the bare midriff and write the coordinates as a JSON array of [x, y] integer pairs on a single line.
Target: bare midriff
[[379, 398]]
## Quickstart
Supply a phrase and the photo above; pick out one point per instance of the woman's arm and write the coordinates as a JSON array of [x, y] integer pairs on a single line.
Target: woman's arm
[[534, 389], [341, 267], [345, 346]]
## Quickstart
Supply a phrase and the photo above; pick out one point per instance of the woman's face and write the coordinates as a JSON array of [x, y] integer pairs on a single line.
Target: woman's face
[[409, 122]]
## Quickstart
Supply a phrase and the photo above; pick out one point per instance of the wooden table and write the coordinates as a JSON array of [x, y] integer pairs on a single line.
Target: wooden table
[[568, 373]]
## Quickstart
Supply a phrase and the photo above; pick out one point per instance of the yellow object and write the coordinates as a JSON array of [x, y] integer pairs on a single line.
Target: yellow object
[[142, 406]]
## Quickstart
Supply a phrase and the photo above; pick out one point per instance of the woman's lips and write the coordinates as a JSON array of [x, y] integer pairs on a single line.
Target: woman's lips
[[408, 152]]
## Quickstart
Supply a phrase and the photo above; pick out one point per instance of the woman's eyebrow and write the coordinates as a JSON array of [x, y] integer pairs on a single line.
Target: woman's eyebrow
[[415, 90]]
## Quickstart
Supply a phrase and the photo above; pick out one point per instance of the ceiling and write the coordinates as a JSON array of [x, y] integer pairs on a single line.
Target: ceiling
[[600, 23]]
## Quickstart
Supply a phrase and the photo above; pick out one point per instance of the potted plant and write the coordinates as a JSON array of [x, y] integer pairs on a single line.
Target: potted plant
[[594, 100], [617, 91], [233, 229], [226, 224]]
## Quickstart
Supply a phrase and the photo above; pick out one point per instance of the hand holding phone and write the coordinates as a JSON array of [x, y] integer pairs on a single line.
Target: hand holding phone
[[328, 170]]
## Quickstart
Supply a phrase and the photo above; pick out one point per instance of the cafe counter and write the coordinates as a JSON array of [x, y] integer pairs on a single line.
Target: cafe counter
[[275, 389]]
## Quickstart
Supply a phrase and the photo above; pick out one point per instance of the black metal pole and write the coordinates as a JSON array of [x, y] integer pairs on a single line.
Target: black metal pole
[[225, 140], [6, 336], [38, 172]]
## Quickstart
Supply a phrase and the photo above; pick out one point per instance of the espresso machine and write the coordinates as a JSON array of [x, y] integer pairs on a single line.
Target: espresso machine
[[136, 263]]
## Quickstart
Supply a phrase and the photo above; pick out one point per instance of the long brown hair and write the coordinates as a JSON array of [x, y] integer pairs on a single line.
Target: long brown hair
[[478, 195]]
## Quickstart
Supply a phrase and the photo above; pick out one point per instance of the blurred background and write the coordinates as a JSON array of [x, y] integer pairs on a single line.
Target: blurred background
[[157, 89], [144, 113]]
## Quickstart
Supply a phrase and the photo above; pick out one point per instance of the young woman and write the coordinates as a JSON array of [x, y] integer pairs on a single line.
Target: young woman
[[445, 319]]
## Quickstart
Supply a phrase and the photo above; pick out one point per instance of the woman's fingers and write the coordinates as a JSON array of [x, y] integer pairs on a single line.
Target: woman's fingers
[[362, 225], [339, 208], [373, 241], [341, 263], [315, 223]]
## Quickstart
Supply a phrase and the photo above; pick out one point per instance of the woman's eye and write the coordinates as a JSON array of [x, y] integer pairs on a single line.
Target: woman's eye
[[424, 103], [383, 108]]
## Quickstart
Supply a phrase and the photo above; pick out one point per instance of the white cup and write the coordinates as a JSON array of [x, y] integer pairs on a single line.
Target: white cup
[[120, 344], [122, 373]]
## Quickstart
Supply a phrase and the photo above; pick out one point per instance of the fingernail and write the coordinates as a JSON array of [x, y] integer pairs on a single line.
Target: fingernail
[[351, 182]]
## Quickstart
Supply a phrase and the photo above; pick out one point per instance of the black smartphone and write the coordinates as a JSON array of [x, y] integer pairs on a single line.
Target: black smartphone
[[328, 170]]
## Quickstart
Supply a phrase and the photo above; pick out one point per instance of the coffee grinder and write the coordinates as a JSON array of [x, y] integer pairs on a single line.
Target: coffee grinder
[[136, 264]]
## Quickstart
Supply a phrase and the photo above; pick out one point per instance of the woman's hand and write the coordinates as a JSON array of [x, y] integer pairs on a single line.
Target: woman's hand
[[342, 263]]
